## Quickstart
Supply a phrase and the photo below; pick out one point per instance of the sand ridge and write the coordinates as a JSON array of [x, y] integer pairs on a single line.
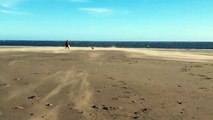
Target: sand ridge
[[171, 54]]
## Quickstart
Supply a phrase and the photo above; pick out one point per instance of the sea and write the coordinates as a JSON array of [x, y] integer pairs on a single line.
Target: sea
[[119, 44]]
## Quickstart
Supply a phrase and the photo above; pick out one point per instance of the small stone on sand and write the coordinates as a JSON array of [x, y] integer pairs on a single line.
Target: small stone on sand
[[3, 84], [49, 104], [17, 79], [179, 102], [99, 91], [133, 101], [136, 117], [95, 106], [18, 107], [32, 97], [105, 108]]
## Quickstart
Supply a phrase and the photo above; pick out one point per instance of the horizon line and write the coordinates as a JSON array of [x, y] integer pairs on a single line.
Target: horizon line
[[111, 40]]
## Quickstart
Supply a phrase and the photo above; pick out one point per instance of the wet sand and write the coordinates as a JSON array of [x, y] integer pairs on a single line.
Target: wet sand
[[51, 83]]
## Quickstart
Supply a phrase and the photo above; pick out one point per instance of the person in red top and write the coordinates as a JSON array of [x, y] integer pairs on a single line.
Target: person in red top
[[67, 44]]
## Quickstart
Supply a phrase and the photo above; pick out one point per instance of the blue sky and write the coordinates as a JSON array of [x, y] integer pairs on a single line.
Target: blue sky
[[145, 20]]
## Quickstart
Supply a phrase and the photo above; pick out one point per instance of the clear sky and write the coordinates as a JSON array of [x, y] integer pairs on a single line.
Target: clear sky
[[184, 20]]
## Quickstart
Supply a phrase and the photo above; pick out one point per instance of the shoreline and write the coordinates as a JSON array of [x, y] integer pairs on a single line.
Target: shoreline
[[102, 47]]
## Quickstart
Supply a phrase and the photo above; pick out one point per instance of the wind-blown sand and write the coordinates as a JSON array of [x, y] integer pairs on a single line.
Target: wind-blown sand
[[51, 83]]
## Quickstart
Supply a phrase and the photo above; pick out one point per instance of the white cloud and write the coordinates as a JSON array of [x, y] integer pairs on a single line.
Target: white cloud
[[97, 10], [10, 7], [12, 12], [9, 3]]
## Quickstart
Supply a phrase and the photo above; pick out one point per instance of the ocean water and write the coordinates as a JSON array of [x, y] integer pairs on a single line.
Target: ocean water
[[173, 45]]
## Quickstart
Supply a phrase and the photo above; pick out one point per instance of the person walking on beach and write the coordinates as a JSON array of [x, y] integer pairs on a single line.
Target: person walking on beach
[[67, 44]]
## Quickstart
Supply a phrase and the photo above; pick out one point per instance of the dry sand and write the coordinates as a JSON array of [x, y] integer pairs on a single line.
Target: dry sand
[[105, 83]]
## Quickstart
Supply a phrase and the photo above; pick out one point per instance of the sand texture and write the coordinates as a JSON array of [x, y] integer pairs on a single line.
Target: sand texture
[[50, 83]]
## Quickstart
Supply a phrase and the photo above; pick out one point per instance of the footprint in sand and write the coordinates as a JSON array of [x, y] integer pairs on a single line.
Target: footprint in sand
[[207, 78], [185, 69], [204, 77], [127, 92], [3, 84], [198, 66], [123, 82], [114, 85], [111, 78], [126, 88]]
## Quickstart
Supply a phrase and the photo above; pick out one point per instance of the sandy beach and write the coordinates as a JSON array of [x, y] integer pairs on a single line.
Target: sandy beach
[[51, 83]]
